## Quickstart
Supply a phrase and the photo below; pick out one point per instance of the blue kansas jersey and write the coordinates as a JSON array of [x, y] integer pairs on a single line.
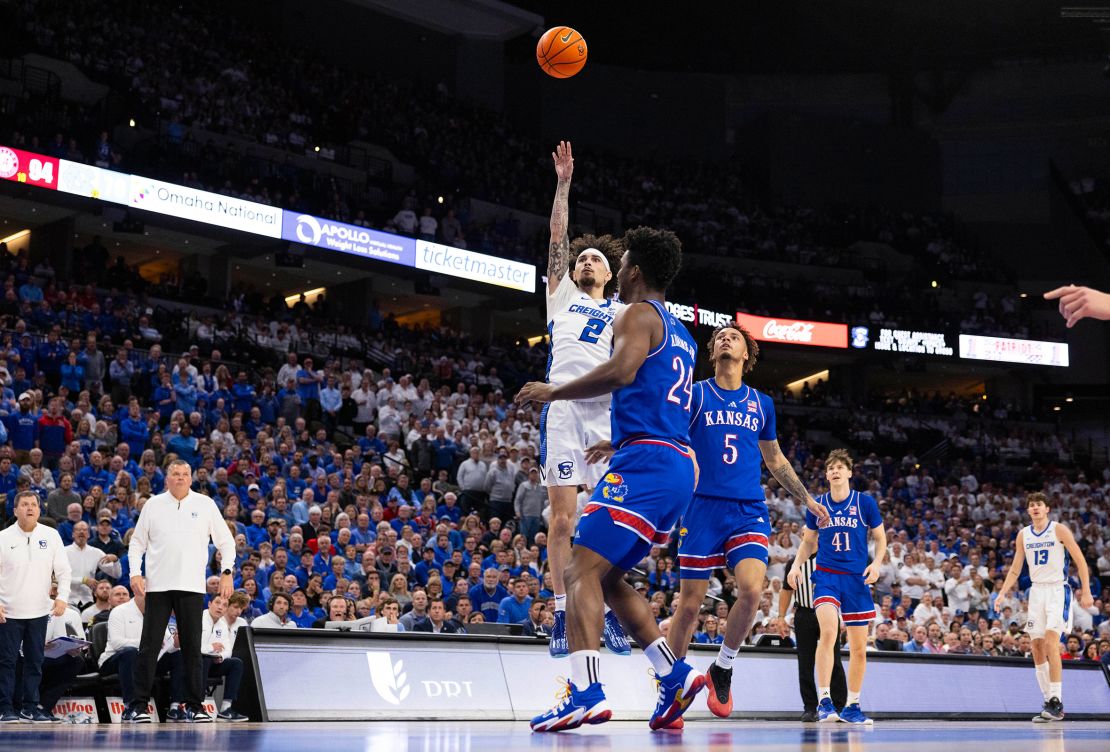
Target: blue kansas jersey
[[842, 545], [658, 401], [725, 430]]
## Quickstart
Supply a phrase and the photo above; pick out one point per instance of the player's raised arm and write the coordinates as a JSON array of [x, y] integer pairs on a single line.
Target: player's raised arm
[[558, 253], [781, 469], [634, 331], [1077, 303], [1015, 569], [1065, 536]]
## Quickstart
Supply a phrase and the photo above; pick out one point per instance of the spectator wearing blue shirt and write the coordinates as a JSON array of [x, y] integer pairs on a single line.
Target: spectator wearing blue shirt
[[370, 444], [9, 484], [402, 493], [93, 474], [23, 428], [331, 399], [242, 394], [514, 609], [918, 643], [308, 389], [449, 508], [426, 565], [184, 445], [29, 292], [51, 354], [709, 634], [133, 429], [185, 394], [445, 451], [488, 595], [72, 374]]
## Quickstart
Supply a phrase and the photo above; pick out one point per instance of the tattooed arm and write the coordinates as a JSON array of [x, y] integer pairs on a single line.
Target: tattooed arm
[[780, 468], [558, 258]]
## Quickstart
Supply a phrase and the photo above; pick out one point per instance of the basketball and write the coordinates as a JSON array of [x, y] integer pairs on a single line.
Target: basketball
[[561, 52]]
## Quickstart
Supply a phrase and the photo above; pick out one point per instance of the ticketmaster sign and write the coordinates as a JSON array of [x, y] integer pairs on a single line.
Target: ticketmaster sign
[[479, 267]]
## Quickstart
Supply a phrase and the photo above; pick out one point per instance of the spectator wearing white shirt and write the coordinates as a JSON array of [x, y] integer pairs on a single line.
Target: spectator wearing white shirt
[[959, 592], [30, 555], [926, 612], [85, 561], [100, 602], [220, 625], [288, 370], [172, 535], [277, 614]]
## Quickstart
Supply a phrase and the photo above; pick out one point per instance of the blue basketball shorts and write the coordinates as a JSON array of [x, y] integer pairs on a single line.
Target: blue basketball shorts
[[636, 504], [715, 533], [848, 592]]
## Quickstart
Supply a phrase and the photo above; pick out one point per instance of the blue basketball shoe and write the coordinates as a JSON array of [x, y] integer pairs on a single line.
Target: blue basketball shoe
[[826, 711], [676, 691], [558, 646], [615, 639], [575, 708], [852, 714]]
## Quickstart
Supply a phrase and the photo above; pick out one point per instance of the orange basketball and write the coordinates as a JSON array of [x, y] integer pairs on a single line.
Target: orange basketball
[[561, 52]]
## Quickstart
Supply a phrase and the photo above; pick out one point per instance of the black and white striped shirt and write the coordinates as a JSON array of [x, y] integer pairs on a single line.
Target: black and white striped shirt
[[803, 596]]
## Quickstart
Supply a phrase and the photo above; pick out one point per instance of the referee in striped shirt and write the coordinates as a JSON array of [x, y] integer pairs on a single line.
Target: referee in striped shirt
[[806, 633]]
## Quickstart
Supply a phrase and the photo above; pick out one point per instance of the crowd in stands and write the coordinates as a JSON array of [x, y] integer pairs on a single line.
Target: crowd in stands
[[474, 152]]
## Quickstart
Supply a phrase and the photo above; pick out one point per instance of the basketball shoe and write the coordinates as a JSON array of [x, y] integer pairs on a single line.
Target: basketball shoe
[[676, 691], [575, 708], [615, 639]]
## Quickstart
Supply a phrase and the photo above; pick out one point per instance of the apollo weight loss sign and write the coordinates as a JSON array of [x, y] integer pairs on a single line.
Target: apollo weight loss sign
[[340, 236]]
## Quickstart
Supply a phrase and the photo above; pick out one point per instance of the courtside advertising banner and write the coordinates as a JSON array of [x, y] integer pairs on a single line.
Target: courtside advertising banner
[[24, 167], [80, 710], [479, 267], [338, 236], [795, 332], [1031, 352], [202, 206]]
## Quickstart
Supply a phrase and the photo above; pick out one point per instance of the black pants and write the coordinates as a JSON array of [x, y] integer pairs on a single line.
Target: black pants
[[808, 631], [473, 502], [30, 636], [124, 662], [189, 609], [229, 668], [502, 509]]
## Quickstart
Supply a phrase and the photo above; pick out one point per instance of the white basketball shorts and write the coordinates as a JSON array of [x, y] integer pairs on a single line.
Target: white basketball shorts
[[1050, 609], [567, 429]]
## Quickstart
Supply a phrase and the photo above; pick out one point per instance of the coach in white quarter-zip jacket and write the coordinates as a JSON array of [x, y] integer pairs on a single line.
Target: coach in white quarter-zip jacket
[[30, 555], [173, 532]]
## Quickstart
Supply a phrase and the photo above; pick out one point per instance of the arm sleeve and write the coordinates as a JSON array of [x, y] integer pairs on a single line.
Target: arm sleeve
[[769, 431], [62, 569], [222, 537]]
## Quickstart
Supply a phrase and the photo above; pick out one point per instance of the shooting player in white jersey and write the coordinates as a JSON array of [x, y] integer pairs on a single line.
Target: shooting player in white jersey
[[580, 324], [1045, 547]]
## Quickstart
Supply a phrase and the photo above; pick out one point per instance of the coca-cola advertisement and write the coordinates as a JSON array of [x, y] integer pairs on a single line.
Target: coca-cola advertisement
[[795, 332]]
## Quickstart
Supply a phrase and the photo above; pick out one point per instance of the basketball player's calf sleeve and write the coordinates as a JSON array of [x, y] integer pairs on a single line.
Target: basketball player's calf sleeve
[[1042, 678]]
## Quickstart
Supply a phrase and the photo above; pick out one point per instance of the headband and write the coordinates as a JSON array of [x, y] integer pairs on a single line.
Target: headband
[[599, 253]]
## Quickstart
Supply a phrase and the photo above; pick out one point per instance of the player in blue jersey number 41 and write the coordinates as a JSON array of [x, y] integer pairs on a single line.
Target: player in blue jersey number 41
[[842, 581]]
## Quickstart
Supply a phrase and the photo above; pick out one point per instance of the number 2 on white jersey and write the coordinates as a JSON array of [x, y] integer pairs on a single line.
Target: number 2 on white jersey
[[685, 380]]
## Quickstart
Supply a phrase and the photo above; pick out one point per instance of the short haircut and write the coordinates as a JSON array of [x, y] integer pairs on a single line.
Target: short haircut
[[1030, 499], [749, 340], [174, 463], [22, 494], [239, 600], [658, 253], [839, 455]]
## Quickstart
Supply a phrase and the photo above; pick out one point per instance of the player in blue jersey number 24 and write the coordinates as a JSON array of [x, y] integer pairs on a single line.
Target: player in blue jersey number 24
[[651, 478]]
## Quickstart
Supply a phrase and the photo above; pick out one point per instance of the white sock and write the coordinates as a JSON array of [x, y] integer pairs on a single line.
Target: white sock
[[561, 602], [853, 698], [175, 705], [584, 667], [1042, 678], [823, 693], [1056, 689], [225, 705], [607, 610], [726, 656], [661, 657]]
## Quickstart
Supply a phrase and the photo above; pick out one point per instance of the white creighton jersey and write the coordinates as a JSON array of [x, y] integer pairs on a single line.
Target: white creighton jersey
[[1045, 556], [581, 331]]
